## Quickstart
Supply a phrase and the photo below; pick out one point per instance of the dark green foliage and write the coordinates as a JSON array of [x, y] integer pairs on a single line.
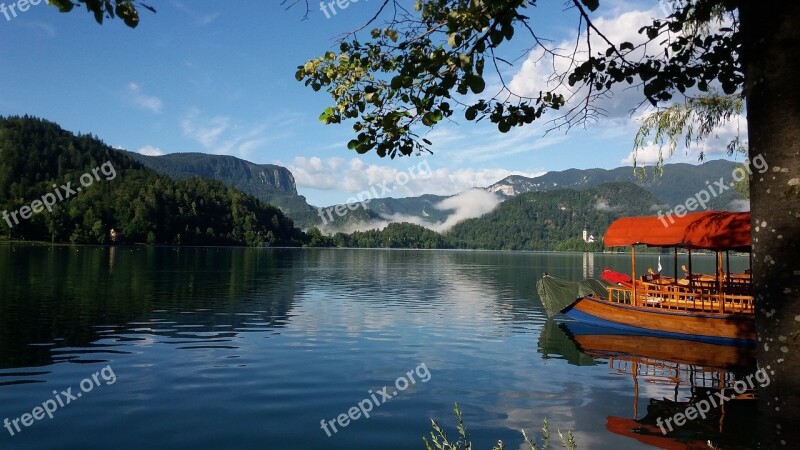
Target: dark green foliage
[[553, 220], [271, 184], [395, 235], [141, 205], [415, 72], [107, 9]]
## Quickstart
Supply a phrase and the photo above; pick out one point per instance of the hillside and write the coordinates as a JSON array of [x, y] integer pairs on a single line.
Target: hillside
[[275, 185], [553, 220], [421, 206], [272, 184], [90, 189], [679, 181]]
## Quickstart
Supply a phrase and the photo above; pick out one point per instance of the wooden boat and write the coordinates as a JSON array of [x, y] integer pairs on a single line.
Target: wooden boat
[[717, 308]]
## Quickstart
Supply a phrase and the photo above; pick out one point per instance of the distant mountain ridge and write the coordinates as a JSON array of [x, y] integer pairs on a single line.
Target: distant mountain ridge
[[272, 184], [423, 206], [678, 182], [276, 185]]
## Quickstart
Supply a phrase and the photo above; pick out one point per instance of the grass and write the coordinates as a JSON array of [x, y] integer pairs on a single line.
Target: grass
[[439, 441]]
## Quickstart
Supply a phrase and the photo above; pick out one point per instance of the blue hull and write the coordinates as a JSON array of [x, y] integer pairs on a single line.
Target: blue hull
[[587, 324]]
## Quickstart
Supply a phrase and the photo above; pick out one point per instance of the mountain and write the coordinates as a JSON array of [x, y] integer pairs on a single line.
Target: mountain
[[275, 185], [60, 187], [554, 219], [422, 206], [272, 184], [678, 182]]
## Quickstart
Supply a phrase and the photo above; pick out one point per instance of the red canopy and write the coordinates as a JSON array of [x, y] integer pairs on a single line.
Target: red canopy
[[713, 230]]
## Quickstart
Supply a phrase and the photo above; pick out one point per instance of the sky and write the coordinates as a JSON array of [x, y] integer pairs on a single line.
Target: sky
[[218, 77]]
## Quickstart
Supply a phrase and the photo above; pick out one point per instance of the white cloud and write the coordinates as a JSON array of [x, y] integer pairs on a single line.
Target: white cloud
[[466, 205], [714, 146], [417, 177], [620, 108], [45, 28], [207, 19], [536, 73], [603, 205], [312, 173], [149, 150], [148, 102], [199, 19], [221, 135]]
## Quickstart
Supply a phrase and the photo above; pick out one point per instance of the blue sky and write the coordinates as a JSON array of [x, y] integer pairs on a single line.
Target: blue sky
[[208, 76]]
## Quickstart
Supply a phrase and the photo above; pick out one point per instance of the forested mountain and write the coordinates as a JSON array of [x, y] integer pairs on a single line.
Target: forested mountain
[[93, 189], [272, 184], [395, 235], [678, 182], [553, 220], [275, 185], [141, 205], [422, 207]]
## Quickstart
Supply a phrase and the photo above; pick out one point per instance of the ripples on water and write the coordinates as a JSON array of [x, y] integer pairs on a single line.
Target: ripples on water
[[251, 348]]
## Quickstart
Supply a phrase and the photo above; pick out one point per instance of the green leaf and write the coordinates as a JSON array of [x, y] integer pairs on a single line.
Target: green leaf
[[591, 4], [326, 115], [476, 84], [63, 5]]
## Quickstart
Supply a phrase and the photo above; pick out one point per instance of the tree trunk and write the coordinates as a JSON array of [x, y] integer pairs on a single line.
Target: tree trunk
[[771, 53]]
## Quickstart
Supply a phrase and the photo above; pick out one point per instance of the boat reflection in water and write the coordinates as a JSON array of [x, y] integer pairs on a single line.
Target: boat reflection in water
[[697, 371]]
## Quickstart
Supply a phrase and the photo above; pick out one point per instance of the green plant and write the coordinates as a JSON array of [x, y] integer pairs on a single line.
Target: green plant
[[439, 439]]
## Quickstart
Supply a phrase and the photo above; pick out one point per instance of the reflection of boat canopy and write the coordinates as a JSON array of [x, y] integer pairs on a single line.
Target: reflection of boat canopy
[[697, 306], [702, 368]]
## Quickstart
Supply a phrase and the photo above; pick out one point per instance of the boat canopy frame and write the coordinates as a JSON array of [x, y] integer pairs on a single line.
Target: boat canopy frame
[[719, 231]]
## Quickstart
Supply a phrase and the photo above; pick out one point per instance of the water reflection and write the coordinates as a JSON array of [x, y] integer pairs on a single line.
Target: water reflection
[[672, 375], [250, 348], [79, 303]]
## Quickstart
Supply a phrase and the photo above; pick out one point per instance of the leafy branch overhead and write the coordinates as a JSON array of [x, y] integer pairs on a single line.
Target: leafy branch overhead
[[423, 65], [102, 9]]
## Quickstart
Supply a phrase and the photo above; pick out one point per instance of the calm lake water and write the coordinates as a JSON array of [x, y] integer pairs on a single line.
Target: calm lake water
[[252, 348]]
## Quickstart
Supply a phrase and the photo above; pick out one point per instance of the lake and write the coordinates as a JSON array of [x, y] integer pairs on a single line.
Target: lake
[[257, 348]]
